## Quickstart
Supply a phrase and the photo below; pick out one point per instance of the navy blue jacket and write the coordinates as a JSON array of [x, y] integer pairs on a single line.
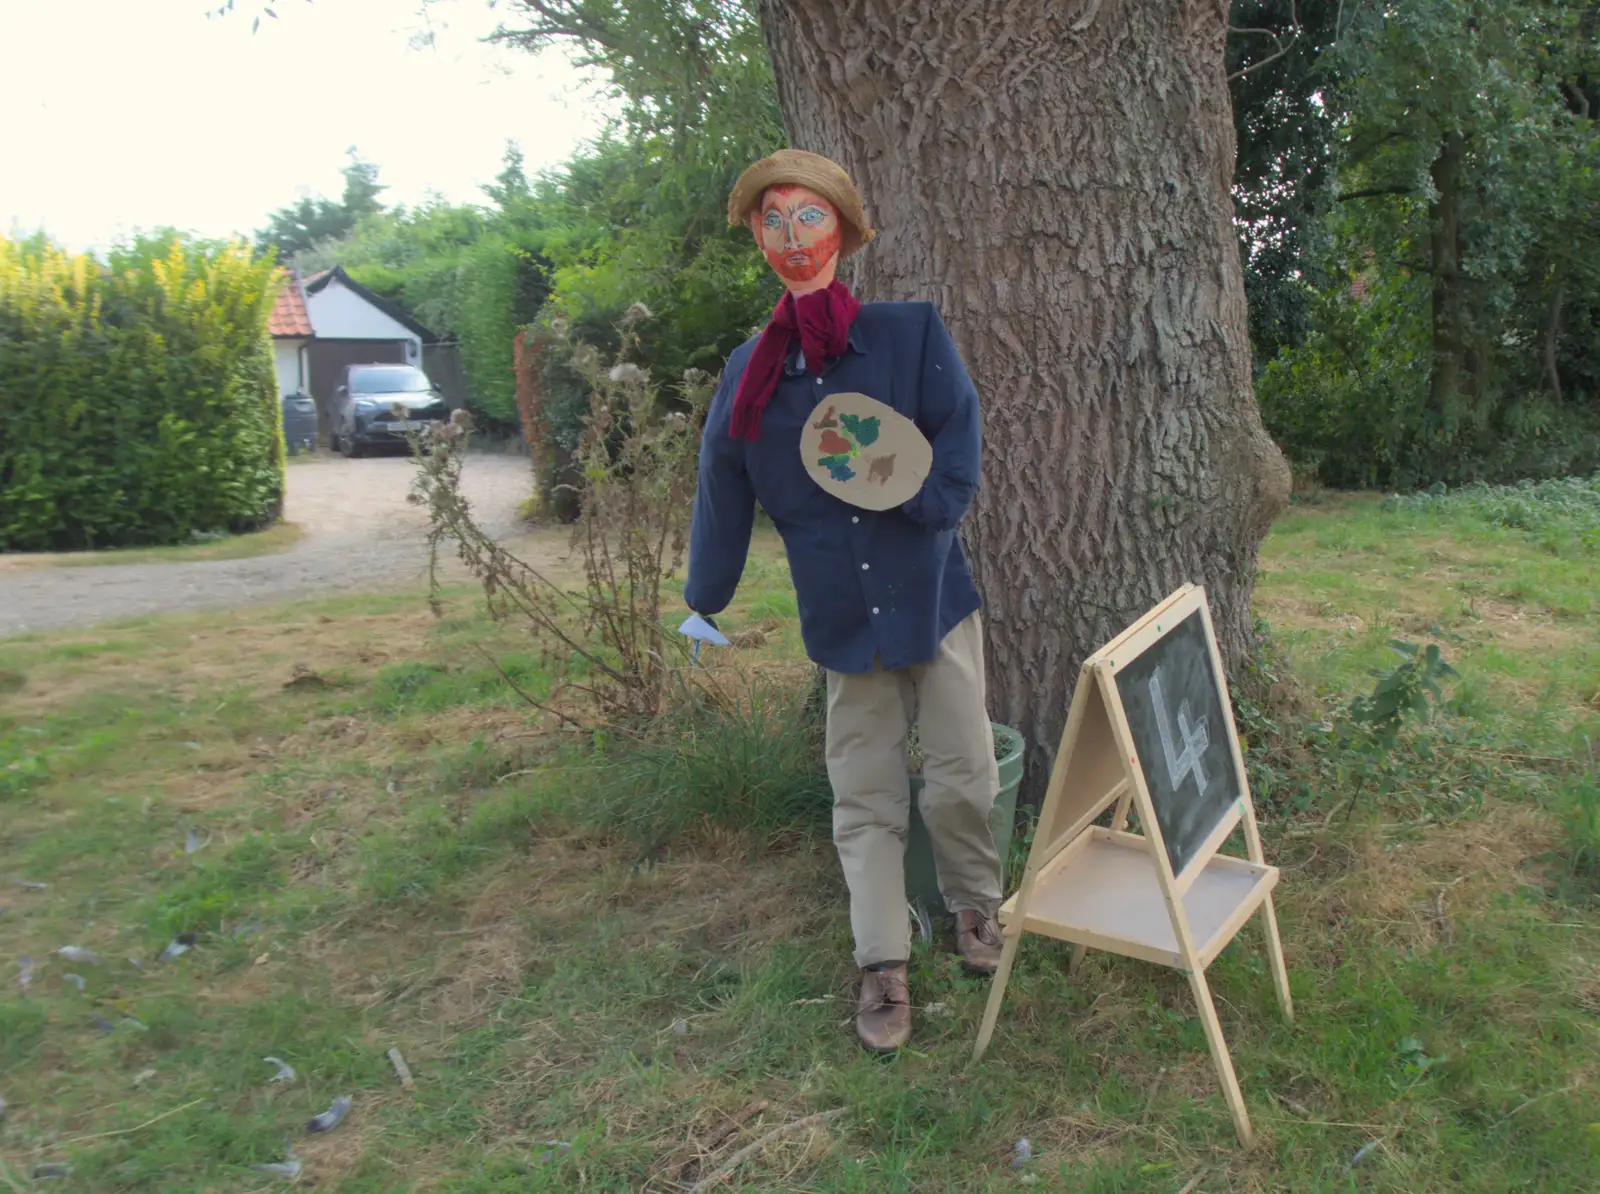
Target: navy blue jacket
[[871, 585]]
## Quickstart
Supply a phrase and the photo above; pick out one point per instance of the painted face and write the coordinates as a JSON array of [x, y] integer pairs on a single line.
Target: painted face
[[798, 230]]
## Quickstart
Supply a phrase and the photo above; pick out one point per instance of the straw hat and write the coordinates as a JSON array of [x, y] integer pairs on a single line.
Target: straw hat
[[822, 175]]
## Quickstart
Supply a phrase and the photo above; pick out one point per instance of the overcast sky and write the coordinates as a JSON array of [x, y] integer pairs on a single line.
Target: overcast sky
[[128, 114]]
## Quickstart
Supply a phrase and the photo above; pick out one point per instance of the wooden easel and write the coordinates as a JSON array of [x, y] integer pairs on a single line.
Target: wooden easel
[[1110, 889]]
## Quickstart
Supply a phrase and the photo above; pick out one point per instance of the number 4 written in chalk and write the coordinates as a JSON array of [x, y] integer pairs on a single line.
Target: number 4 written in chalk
[[1194, 735]]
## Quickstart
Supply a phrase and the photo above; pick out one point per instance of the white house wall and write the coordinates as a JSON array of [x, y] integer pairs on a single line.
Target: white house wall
[[338, 313], [290, 361]]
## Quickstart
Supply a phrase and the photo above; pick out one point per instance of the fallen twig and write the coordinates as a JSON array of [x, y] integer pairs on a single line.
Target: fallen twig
[[5, 1172], [750, 1150], [1549, 1094], [722, 1135], [1305, 831], [1299, 1109], [1189, 1186], [135, 1128], [1520, 756], [1150, 1098]]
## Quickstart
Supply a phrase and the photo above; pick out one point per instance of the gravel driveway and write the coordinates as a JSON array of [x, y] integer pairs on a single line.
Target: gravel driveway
[[358, 531]]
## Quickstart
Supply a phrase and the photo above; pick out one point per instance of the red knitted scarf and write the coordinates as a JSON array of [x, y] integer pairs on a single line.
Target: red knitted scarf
[[822, 320]]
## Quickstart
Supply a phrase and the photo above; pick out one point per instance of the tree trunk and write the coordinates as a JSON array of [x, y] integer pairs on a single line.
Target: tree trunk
[[1055, 178], [1449, 332], [1552, 330]]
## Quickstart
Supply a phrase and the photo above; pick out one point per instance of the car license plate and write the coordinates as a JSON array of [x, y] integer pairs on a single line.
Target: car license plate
[[396, 426]]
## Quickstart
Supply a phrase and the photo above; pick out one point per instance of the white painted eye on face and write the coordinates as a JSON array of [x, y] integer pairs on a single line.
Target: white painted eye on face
[[772, 220], [812, 216]]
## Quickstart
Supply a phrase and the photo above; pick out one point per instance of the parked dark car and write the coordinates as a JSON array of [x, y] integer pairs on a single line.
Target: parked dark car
[[377, 405]]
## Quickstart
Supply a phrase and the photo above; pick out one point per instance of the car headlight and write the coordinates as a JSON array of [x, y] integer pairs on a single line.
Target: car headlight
[[365, 406]]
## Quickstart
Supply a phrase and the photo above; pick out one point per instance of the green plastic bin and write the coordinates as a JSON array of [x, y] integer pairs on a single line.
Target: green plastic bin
[[922, 879]]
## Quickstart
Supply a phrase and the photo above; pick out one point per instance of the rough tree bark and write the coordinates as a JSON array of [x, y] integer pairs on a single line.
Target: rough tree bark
[[1055, 177]]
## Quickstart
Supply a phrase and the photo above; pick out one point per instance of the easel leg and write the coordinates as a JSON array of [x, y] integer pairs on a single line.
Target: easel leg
[[1119, 819], [1077, 959], [1219, 1056], [1280, 973], [997, 992]]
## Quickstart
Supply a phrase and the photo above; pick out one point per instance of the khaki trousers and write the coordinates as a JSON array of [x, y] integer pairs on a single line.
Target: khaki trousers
[[869, 717]]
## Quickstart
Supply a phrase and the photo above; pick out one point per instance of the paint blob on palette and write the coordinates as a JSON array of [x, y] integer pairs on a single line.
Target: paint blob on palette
[[865, 452]]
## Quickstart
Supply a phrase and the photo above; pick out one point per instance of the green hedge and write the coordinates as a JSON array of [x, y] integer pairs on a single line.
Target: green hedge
[[138, 403]]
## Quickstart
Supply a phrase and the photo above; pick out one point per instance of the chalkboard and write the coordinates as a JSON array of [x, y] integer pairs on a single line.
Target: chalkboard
[[1180, 732]]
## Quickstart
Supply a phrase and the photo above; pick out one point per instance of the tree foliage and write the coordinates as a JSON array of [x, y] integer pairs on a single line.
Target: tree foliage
[[1417, 194], [638, 217], [315, 220], [1463, 241], [1283, 174], [695, 79]]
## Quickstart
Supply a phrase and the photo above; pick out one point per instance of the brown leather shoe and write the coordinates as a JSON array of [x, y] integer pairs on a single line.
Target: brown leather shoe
[[883, 1014], [978, 941]]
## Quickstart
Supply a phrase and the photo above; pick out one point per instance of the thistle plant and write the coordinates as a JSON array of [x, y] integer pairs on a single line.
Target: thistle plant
[[606, 642]]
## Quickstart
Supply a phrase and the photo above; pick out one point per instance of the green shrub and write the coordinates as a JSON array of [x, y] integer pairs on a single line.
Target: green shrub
[[1569, 505], [1350, 405], [138, 403], [503, 289]]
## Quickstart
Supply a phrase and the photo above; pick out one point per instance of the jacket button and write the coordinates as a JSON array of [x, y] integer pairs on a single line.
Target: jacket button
[[874, 609], [864, 567], [855, 518]]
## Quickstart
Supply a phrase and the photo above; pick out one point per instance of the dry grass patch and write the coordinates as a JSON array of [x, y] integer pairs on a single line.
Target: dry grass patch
[[243, 654], [1091, 1139], [1421, 612], [342, 1153], [1307, 613], [370, 961], [1519, 628], [1409, 892]]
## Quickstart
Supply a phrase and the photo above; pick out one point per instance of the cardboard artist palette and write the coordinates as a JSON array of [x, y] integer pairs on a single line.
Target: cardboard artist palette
[[865, 452]]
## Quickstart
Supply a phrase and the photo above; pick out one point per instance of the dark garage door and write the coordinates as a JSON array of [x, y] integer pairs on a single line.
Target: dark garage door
[[328, 358]]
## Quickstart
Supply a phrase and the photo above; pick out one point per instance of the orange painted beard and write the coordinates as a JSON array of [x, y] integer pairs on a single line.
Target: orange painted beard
[[802, 263]]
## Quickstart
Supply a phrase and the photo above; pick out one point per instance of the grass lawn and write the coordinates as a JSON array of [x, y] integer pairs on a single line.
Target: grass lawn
[[279, 537], [392, 853]]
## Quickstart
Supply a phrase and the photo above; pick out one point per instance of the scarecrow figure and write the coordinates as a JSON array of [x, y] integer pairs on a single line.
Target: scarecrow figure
[[887, 603]]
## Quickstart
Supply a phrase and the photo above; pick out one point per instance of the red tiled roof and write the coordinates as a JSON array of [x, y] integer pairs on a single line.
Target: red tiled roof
[[289, 316]]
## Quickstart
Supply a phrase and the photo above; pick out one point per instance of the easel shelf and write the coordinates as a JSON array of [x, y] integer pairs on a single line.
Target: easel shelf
[[1104, 894]]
